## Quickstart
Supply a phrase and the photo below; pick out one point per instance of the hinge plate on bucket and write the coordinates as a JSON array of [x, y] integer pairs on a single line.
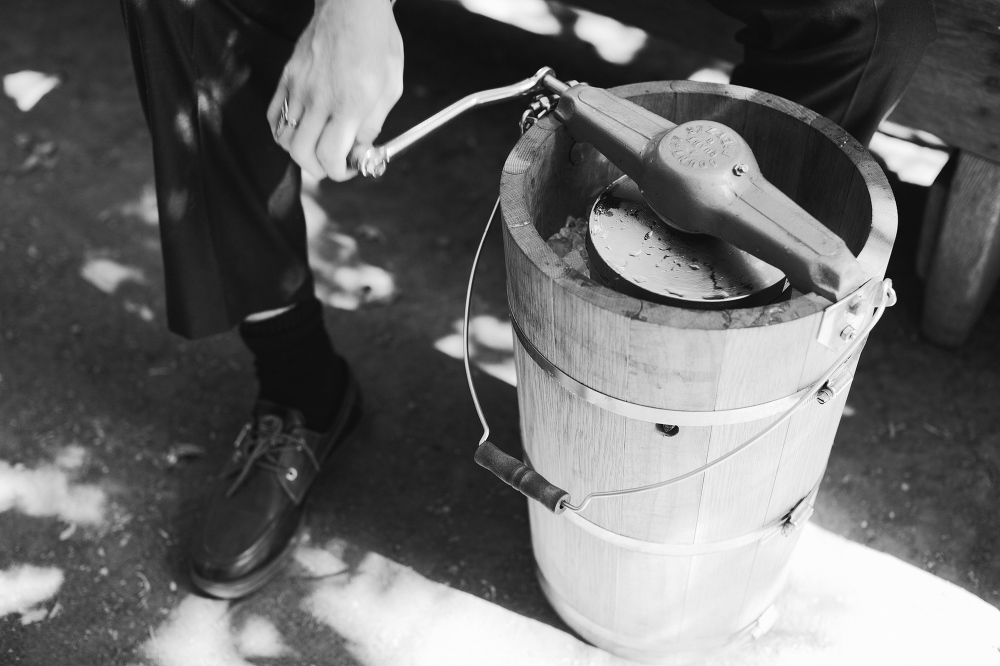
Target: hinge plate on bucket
[[844, 319]]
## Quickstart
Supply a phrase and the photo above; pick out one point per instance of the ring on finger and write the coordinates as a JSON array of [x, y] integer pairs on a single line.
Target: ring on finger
[[285, 119], [279, 126]]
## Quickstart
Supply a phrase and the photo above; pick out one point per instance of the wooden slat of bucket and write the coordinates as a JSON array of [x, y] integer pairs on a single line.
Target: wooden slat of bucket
[[695, 356], [870, 190], [561, 551], [715, 591], [802, 464], [804, 455], [700, 102], [736, 493], [668, 515], [768, 482], [770, 569], [595, 326], [585, 448], [784, 173], [762, 363], [576, 444], [642, 596], [734, 501], [659, 610], [579, 445], [529, 291]]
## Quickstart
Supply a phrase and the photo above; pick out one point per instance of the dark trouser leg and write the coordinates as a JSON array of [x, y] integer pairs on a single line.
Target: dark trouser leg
[[849, 60], [231, 224]]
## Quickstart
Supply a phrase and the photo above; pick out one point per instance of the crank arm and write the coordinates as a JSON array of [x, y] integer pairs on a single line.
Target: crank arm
[[372, 160]]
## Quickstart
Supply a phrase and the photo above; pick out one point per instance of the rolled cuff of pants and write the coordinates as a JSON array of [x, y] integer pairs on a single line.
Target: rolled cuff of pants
[[849, 60], [231, 222]]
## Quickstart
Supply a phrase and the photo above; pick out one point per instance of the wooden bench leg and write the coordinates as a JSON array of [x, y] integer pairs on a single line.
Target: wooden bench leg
[[964, 265]]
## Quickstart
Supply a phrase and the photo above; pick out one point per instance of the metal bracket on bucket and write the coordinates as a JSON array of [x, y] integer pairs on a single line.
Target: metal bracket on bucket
[[842, 321]]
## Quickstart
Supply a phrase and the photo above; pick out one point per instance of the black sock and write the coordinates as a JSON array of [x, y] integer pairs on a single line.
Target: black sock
[[295, 362]]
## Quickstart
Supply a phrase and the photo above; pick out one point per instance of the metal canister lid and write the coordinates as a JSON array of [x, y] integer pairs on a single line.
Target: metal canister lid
[[632, 250]]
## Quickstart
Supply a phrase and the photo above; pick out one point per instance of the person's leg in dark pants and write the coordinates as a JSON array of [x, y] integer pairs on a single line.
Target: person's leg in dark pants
[[231, 223], [234, 249], [849, 60]]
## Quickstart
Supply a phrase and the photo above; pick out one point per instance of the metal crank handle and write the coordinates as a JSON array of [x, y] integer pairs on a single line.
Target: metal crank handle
[[372, 160]]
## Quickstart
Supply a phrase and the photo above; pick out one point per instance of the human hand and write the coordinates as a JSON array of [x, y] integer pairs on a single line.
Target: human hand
[[343, 78]]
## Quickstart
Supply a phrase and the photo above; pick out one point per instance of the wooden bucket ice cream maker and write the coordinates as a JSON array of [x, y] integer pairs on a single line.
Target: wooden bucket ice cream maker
[[694, 431]]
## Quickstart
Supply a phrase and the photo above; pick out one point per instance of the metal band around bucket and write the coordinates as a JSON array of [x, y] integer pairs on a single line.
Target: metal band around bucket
[[654, 414], [786, 525]]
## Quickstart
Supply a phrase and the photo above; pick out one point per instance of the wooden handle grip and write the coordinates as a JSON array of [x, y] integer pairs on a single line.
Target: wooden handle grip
[[520, 477]]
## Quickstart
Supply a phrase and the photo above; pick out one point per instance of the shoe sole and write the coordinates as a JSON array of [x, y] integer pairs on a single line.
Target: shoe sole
[[241, 587]]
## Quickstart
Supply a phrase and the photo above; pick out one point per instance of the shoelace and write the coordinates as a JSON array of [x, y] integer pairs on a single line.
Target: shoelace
[[264, 450]]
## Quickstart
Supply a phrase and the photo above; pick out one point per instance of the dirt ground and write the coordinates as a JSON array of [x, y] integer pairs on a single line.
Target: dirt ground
[[92, 372]]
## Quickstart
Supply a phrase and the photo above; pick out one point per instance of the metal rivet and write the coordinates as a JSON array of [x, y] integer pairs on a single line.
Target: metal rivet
[[824, 396], [849, 333], [740, 169], [291, 474], [667, 430]]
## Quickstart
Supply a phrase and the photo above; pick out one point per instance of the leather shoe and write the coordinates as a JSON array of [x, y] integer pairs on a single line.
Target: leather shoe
[[248, 531]]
